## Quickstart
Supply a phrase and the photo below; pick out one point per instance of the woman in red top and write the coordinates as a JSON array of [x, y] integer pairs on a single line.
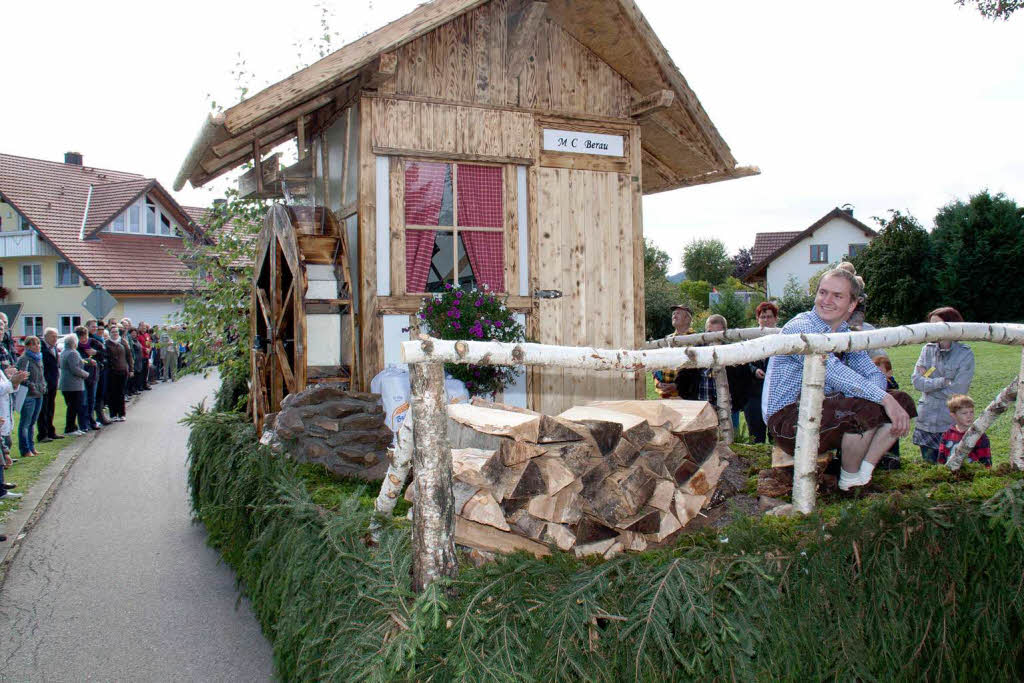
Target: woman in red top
[[144, 342]]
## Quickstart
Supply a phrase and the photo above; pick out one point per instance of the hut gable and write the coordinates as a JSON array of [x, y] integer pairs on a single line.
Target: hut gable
[[507, 53]]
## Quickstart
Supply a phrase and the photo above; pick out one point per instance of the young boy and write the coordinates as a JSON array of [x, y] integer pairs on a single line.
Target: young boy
[[891, 460], [961, 407]]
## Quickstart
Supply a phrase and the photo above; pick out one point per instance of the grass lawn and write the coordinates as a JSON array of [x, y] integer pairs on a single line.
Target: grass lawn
[[27, 470]]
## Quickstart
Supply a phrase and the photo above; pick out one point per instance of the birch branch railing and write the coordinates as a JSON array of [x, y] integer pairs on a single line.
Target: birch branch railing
[[432, 457]]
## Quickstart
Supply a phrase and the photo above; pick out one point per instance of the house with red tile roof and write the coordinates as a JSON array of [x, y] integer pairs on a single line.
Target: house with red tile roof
[[800, 254], [68, 230]]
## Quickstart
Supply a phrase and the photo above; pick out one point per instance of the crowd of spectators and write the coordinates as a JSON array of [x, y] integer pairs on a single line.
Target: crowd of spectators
[[96, 368]]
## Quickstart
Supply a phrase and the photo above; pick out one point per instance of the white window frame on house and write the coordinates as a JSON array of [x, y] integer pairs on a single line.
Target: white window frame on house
[[68, 329], [77, 280], [37, 324], [822, 252], [145, 217], [21, 277]]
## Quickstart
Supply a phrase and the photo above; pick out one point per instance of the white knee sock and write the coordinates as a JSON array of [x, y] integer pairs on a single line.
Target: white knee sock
[[866, 469]]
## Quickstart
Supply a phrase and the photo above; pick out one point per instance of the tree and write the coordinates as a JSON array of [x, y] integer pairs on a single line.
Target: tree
[[659, 293], [707, 259], [898, 271], [695, 293], [993, 9], [214, 320], [730, 305], [741, 262], [979, 256], [795, 299]]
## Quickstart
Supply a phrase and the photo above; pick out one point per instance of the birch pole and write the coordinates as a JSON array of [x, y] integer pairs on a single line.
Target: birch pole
[[723, 405], [996, 408], [1017, 427], [808, 433], [394, 481], [433, 522], [702, 338]]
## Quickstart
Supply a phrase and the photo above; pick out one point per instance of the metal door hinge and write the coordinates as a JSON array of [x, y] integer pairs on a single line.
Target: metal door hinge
[[547, 294]]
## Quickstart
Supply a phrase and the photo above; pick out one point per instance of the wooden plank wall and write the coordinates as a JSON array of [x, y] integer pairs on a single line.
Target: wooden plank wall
[[410, 127], [585, 248], [465, 61]]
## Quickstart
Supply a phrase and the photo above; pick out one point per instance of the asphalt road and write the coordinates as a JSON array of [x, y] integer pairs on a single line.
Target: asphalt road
[[115, 582]]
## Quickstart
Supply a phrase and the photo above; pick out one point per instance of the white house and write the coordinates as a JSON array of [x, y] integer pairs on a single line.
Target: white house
[[800, 254]]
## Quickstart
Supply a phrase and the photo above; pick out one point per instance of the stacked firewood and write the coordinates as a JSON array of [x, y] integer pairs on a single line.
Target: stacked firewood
[[597, 479]]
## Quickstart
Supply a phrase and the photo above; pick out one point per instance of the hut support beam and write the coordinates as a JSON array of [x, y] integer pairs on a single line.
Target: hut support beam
[[808, 433], [523, 39], [433, 522]]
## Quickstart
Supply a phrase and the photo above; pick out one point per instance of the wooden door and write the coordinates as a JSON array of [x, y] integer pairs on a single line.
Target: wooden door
[[585, 250]]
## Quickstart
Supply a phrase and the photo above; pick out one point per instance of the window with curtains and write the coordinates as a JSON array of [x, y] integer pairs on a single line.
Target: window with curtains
[[454, 226]]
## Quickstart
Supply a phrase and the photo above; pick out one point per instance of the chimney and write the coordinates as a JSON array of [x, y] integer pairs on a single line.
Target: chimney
[[848, 208], [73, 158]]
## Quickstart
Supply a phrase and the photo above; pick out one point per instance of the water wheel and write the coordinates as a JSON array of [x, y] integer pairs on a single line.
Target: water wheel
[[278, 319]]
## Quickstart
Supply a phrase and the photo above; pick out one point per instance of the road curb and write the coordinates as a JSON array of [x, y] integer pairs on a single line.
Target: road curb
[[38, 499]]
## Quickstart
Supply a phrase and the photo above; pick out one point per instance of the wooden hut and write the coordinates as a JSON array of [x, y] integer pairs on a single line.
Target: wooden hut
[[498, 142]]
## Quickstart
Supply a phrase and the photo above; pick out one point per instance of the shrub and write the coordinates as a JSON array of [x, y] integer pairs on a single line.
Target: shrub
[[795, 299], [695, 293], [476, 315]]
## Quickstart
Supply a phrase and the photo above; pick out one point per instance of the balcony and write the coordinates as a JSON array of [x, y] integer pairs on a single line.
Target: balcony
[[21, 243]]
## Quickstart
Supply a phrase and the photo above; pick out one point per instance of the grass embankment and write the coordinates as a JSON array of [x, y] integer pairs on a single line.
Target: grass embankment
[[900, 588], [27, 470]]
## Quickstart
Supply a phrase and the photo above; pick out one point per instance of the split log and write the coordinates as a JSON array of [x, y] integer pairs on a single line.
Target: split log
[[433, 537], [562, 508], [559, 535], [462, 436], [805, 452], [484, 537], [700, 445], [482, 508], [706, 478], [588, 531], [634, 427], [1017, 426], [474, 466], [516, 452], [686, 506], [549, 429], [506, 479], [555, 474], [585, 358], [632, 541], [578, 456], [668, 525], [594, 547], [647, 521], [781, 458], [530, 526], [661, 499], [676, 415], [518, 426], [621, 495], [531, 483], [625, 454]]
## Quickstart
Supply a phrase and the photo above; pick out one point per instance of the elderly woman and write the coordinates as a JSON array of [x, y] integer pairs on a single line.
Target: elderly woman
[[72, 386], [9, 379], [942, 370], [31, 362], [119, 359]]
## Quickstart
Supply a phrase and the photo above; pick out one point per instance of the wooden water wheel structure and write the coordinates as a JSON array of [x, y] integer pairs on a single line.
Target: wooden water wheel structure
[[301, 279]]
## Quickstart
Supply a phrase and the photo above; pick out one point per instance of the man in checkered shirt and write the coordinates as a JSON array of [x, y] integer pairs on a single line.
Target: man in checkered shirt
[[858, 415]]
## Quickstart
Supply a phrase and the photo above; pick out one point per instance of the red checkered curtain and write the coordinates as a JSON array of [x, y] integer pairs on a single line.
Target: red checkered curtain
[[424, 188], [480, 206]]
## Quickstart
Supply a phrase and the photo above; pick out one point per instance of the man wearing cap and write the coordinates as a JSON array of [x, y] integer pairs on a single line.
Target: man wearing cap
[[665, 380]]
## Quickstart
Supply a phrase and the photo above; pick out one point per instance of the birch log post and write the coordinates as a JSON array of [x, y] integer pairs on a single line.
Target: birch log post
[[1017, 427], [808, 432], [723, 404], [703, 338], [996, 408], [433, 522], [395, 479], [586, 358]]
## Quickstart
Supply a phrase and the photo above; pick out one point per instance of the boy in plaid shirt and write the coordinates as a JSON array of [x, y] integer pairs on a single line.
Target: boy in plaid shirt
[[961, 407]]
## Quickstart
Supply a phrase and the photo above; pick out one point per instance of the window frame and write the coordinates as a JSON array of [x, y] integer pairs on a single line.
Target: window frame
[[455, 228], [823, 257], [72, 326], [32, 316], [74, 271], [21, 275], [861, 246]]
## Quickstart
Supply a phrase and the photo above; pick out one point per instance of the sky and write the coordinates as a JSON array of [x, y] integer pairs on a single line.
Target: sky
[[883, 105]]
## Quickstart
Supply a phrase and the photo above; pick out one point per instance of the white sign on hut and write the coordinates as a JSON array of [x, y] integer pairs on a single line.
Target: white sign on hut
[[504, 143]]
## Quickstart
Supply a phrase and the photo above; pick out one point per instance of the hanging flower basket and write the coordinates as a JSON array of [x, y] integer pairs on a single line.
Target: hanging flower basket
[[476, 315]]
